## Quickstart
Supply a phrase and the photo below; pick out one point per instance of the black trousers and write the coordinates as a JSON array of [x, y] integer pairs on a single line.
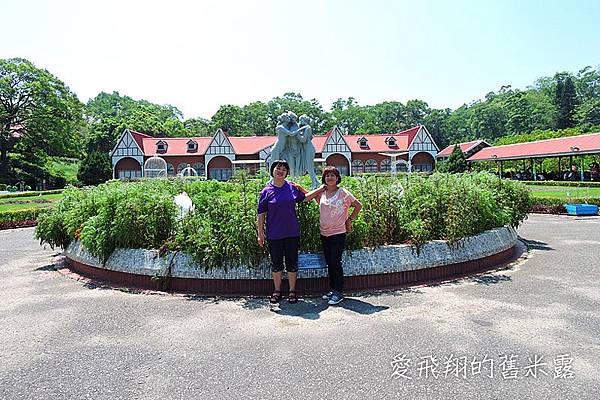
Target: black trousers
[[333, 247], [284, 248]]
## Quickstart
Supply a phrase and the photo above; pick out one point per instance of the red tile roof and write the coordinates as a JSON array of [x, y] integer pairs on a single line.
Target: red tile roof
[[566, 146], [466, 146], [175, 146], [139, 138], [251, 144], [319, 142], [254, 144], [376, 142]]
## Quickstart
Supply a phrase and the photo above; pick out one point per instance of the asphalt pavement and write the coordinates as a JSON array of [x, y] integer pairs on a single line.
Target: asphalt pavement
[[530, 330]]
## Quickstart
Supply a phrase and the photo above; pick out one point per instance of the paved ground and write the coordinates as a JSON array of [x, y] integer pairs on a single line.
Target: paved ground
[[63, 340]]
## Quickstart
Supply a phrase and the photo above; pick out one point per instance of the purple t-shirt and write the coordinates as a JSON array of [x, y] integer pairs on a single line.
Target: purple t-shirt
[[280, 205]]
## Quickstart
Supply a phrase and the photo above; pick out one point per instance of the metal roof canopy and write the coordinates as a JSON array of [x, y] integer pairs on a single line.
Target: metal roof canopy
[[548, 155], [568, 146]]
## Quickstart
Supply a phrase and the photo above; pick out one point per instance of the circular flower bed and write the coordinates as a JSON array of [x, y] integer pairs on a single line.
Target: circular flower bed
[[221, 231]]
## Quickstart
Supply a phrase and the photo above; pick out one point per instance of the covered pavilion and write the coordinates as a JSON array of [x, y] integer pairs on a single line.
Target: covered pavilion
[[572, 148]]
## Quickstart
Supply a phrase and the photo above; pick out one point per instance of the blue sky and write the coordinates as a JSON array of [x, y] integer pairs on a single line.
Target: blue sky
[[198, 55]]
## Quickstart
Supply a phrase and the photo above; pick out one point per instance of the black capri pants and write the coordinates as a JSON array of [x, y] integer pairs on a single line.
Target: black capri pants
[[284, 248]]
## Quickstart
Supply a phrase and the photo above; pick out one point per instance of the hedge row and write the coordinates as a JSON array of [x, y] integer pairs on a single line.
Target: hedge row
[[562, 183], [560, 202], [22, 215], [221, 232], [30, 194]]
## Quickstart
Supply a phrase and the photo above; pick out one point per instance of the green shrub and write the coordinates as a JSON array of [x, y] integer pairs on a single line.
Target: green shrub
[[221, 232], [29, 194], [562, 183], [22, 215]]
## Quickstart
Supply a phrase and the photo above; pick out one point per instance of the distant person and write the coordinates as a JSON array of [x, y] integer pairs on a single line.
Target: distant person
[[573, 175], [594, 172]]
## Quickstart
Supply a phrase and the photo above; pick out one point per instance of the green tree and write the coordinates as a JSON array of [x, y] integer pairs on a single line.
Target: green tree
[[459, 125], [588, 113], [96, 168], [295, 102], [229, 118], [587, 83], [437, 125], [257, 120], [518, 112], [456, 161], [386, 117], [488, 119], [197, 127], [415, 113], [566, 101], [111, 113], [36, 105], [347, 115]]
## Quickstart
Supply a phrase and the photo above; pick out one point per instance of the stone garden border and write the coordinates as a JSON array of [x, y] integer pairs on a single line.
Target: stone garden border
[[385, 267]]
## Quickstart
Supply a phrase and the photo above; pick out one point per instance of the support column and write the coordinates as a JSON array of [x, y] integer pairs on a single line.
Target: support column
[[559, 175]]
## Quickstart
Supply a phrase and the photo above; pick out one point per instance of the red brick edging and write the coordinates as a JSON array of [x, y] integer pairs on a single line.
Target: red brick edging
[[305, 286]]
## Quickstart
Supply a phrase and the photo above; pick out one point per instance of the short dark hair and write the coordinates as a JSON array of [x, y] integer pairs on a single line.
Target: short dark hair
[[333, 170], [280, 162]]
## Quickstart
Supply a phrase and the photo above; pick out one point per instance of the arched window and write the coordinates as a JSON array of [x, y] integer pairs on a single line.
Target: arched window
[[155, 167], [180, 167], [357, 167], [199, 167], [170, 169], [385, 165], [371, 166], [401, 166]]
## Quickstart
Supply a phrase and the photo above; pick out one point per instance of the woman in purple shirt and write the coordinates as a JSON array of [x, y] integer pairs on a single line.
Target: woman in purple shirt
[[277, 205]]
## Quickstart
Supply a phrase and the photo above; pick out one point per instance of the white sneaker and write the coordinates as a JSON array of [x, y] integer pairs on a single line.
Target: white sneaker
[[327, 296], [336, 298]]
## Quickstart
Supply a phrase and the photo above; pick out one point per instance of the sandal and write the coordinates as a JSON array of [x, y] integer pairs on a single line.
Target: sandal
[[292, 298], [275, 297]]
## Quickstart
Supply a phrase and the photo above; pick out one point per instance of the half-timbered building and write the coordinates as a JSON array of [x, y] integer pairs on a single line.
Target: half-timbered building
[[217, 157]]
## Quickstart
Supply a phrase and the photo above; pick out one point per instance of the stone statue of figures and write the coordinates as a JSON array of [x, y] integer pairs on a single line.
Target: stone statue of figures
[[307, 152], [283, 131], [294, 144]]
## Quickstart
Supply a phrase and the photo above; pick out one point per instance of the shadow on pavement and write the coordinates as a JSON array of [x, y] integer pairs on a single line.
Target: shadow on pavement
[[49, 267], [535, 244], [312, 308], [490, 279]]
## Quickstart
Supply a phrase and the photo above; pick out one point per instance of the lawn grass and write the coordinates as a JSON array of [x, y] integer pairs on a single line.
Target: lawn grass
[[562, 192]]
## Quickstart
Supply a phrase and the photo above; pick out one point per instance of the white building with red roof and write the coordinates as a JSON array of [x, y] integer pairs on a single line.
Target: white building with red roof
[[215, 157]]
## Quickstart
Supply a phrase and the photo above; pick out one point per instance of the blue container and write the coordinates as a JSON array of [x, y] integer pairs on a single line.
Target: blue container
[[581, 209]]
